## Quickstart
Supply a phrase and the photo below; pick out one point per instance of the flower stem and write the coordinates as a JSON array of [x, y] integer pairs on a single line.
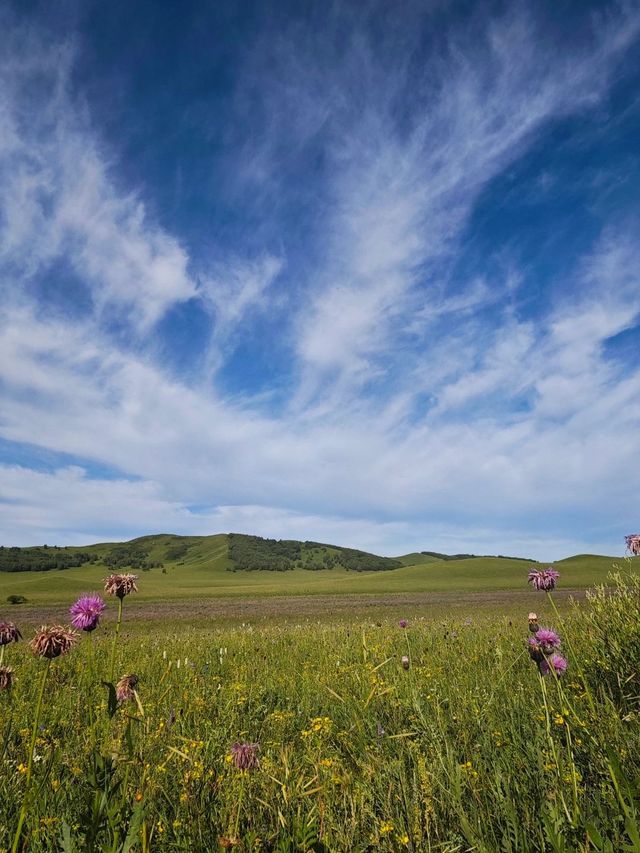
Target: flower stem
[[32, 749], [112, 665]]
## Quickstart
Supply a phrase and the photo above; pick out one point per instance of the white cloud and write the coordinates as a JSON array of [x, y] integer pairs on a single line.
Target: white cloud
[[523, 419], [59, 201]]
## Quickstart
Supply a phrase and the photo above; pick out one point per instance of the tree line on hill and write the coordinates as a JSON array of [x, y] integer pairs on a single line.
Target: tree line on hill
[[42, 558], [253, 553]]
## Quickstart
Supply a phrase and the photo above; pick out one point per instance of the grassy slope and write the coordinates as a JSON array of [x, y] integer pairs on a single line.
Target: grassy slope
[[203, 573]]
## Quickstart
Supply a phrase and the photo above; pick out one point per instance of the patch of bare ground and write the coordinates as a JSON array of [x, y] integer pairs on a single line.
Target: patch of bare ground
[[304, 607]]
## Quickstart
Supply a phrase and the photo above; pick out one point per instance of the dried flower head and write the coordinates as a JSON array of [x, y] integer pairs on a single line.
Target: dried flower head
[[556, 663], [543, 579], [405, 662], [126, 688], [9, 633], [120, 585], [533, 622], [633, 544], [244, 756], [6, 678], [403, 623], [86, 612], [51, 642]]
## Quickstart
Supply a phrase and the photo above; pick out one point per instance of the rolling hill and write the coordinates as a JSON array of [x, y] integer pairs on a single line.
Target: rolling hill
[[188, 567]]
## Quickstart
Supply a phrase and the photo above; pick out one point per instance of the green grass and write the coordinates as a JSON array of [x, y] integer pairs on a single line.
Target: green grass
[[467, 749]]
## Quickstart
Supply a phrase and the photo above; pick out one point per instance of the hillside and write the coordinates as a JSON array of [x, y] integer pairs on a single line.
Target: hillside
[[192, 567]]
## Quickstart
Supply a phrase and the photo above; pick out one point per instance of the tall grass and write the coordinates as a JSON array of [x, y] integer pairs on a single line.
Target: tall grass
[[467, 749]]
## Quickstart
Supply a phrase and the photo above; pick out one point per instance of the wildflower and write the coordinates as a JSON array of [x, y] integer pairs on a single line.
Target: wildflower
[[556, 663], [403, 623], [633, 544], [533, 622], [51, 642], [86, 612], [126, 688], [543, 579], [405, 662], [9, 633], [386, 827], [548, 640], [535, 650], [120, 585], [244, 756], [6, 678]]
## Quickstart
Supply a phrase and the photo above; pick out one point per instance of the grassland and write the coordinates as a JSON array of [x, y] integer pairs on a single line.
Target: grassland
[[462, 747], [206, 572]]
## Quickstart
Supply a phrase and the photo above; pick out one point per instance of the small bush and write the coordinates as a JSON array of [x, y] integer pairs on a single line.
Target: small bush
[[16, 599]]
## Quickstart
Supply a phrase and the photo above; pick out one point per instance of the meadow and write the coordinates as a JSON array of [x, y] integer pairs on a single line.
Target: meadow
[[337, 732]]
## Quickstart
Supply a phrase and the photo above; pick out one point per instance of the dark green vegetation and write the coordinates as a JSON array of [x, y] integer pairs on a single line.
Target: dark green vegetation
[[467, 749], [253, 553], [43, 558]]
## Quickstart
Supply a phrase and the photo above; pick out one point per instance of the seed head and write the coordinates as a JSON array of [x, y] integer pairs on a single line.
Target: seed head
[[51, 642], [244, 756], [543, 579], [126, 688], [6, 678], [120, 585], [633, 544], [405, 662], [86, 612], [9, 633]]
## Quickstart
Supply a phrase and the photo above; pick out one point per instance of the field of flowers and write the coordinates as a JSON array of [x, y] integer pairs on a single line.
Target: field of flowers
[[429, 735]]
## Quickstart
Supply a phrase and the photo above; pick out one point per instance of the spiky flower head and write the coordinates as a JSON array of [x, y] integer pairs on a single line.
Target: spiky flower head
[[533, 622], [543, 579], [535, 650], [403, 623], [120, 585], [633, 544], [6, 678], [549, 641], [86, 612], [244, 756], [9, 633], [556, 663], [53, 641], [126, 688]]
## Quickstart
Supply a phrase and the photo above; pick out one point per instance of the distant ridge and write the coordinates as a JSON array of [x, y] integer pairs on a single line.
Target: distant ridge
[[235, 552]]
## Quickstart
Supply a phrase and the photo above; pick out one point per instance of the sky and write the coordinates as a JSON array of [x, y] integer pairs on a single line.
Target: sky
[[366, 273]]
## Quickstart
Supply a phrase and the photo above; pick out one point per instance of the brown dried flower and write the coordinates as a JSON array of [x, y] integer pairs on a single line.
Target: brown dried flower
[[126, 688], [9, 633], [244, 756], [120, 585], [6, 677], [51, 642]]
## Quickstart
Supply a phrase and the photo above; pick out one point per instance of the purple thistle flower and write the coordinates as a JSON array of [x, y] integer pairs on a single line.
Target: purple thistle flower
[[555, 662], [403, 623], [633, 544], [126, 688], [535, 650], [549, 641], [244, 756], [86, 612], [543, 579]]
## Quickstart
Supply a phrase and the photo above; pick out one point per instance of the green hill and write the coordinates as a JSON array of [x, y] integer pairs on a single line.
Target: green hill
[[191, 567]]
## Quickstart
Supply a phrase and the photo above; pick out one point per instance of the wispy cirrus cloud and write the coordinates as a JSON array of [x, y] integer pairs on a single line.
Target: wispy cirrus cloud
[[418, 396]]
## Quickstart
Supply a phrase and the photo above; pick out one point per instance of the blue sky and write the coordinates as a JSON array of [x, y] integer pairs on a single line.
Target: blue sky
[[358, 272]]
